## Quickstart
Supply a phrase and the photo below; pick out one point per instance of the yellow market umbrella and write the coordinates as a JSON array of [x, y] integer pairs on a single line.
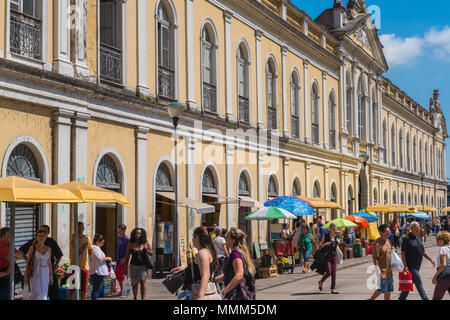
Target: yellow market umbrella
[[381, 208], [373, 232], [88, 193], [318, 203], [425, 208], [15, 189], [446, 209]]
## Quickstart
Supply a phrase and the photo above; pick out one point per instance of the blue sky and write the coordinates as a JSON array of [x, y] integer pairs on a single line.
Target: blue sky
[[416, 36]]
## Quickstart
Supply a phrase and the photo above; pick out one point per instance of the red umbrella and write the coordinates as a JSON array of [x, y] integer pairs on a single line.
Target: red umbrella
[[360, 221]]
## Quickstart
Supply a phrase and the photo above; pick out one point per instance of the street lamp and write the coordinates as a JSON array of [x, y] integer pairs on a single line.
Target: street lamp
[[422, 176], [364, 158], [175, 109]]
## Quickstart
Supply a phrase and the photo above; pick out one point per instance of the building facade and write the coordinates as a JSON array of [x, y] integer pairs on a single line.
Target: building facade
[[277, 104]]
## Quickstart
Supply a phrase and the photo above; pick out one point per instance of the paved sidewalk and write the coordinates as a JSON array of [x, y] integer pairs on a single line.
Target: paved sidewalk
[[157, 291]]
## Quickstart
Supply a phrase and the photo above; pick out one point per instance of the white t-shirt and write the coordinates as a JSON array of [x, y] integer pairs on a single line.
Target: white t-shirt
[[96, 263], [443, 251], [218, 243]]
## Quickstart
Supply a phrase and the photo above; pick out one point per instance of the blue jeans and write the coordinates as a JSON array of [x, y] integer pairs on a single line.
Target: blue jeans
[[418, 283], [4, 294], [97, 284]]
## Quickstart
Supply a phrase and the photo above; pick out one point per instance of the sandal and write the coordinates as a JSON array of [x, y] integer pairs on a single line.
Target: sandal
[[320, 286], [334, 292]]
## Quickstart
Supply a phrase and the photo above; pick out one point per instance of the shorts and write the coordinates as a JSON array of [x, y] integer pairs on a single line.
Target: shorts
[[84, 280], [4, 294], [386, 285], [306, 255], [120, 272]]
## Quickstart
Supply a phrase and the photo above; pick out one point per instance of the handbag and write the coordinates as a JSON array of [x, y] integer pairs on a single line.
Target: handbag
[[340, 255], [445, 275], [148, 260], [174, 282], [211, 290]]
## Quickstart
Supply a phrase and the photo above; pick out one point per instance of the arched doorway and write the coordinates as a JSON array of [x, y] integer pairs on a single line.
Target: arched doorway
[[350, 199], [243, 224], [333, 197], [106, 214], [165, 220], [362, 191], [210, 196], [23, 163]]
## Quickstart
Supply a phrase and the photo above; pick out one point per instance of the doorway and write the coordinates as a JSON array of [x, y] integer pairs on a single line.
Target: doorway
[[246, 225], [106, 225]]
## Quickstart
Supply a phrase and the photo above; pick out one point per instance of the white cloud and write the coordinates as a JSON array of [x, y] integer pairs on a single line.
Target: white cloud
[[403, 51], [400, 51]]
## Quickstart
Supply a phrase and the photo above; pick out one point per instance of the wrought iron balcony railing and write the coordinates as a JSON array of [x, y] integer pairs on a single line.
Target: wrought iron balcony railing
[[209, 97], [244, 112], [25, 35], [166, 79], [110, 64]]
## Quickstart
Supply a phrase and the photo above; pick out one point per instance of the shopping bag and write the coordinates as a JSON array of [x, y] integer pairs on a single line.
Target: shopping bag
[[26, 294], [126, 287], [396, 262], [405, 281], [340, 255], [112, 274]]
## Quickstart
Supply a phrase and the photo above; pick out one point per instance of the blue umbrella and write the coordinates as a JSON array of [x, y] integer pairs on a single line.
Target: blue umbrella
[[417, 215], [294, 205], [369, 217]]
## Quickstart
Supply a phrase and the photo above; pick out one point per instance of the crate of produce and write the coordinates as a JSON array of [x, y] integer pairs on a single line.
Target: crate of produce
[[269, 272]]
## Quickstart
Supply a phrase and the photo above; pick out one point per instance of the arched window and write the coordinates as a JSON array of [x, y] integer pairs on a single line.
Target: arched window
[[402, 198], [22, 163], [316, 190], [295, 104], [110, 41], [375, 196], [374, 117], [272, 189], [315, 114], [431, 159], [350, 199], [421, 154], [333, 195], [385, 141], [166, 51], [386, 197], [244, 189], [296, 189], [408, 153], [426, 203], [164, 179], [107, 175], [432, 201], [400, 148], [426, 158], [209, 182], [394, 198], [209, 52], [415, 199], [409, 199], [361, 110], [393, 145], [271, 87], [415, 153], [349, 100], [332, 111], [244, 85]]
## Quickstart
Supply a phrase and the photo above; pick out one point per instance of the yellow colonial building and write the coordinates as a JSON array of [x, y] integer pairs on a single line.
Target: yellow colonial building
[[277, 104]]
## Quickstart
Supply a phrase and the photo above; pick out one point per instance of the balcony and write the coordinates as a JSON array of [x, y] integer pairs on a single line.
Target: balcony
[[244, 113], [295, 126], [315, 133], [166, 87], [272, 118], [209, 98], [110, 64], [25, 35]]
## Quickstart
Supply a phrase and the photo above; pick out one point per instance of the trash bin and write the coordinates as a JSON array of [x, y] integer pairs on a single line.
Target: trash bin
[[357, 250]]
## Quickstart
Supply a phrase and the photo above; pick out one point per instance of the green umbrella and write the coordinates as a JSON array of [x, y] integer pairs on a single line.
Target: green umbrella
[[270, 213], [340, 223]]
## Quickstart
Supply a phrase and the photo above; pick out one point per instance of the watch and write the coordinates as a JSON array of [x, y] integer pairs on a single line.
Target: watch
[[224, 292]]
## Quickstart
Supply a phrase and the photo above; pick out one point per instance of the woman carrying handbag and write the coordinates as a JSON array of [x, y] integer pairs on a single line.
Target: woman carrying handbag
[[200, 273]]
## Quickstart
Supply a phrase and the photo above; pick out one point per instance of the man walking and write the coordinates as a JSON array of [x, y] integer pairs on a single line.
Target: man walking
[[53, 290], [122, 244], [413, 252], [382, 260]]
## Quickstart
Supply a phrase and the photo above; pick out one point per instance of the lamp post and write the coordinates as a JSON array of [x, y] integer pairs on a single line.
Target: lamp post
[[422, 176], [175, 109], [364, 158]]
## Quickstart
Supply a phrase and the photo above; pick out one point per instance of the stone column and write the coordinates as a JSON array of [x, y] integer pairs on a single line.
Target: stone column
[[61, 40], [228, 66], [61, 174], [327, 188], [259, 75], [191, 182], [190, 56], [142, 55], [261, 154], [325, 112], [285, 82], [307, 125], [287, 181], [231, 189], [141, 177], [346, 191], [79, 161], [308, 187]]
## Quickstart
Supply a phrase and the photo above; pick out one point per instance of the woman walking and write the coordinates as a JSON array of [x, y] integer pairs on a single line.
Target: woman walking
[[221, 249], [308, 245], [199, 273], [330, 242], [238, 269], [38, 271], [443, 241], [138, 248], [97, 266]]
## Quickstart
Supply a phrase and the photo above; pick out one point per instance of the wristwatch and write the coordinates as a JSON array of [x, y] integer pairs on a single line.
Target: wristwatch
[[224, 292]]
